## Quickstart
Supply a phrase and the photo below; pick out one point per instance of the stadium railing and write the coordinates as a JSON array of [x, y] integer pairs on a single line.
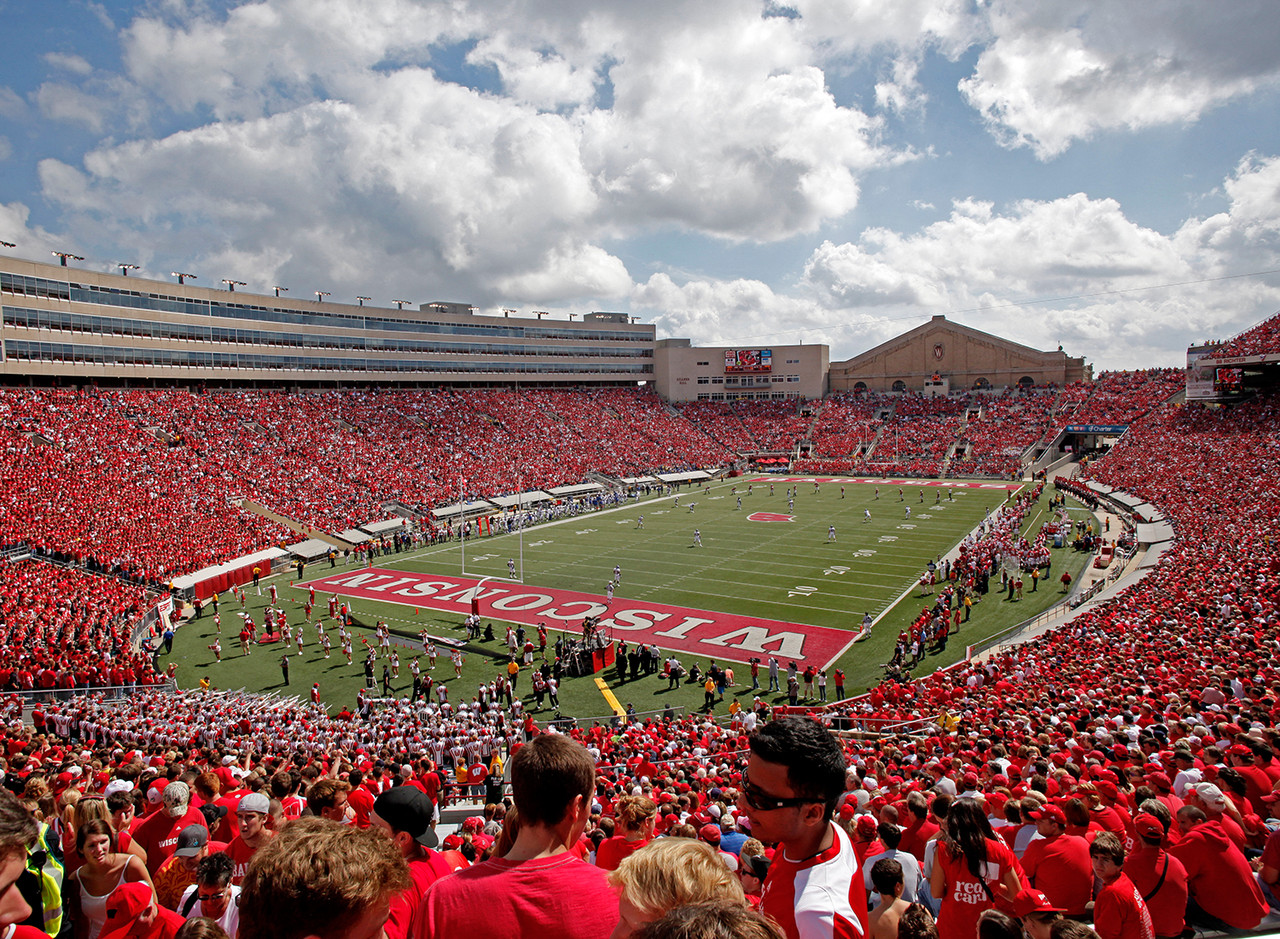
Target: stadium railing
[[107, 692]]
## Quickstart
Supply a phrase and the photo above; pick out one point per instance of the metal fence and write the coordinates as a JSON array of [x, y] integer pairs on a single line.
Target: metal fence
[[108, 693]]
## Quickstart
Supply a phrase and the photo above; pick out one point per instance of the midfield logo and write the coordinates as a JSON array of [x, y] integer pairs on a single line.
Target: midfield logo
[[770, 517]]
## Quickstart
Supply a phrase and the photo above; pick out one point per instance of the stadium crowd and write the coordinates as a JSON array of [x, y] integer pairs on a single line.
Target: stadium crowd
[[66, 629], [1263, 339], [1120, 770], [82, 467]]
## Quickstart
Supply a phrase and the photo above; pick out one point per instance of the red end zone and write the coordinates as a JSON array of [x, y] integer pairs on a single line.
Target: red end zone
[[698, 632], [945, 483]]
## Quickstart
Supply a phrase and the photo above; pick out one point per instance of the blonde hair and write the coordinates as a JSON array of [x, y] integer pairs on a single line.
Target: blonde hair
[[672, 872], [634, 811], [318, 877]]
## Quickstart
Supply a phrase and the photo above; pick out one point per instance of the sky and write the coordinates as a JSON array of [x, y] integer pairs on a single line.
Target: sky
[[1100, 175]]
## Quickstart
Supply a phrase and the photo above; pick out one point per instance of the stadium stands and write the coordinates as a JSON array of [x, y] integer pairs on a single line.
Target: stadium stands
[[1263, 339], [1184, 660]]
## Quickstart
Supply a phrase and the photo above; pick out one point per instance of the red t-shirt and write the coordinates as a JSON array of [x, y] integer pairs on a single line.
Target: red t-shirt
[[821, 897], [1060, 867], [361, 800], [613, 851], [240, 854], [423, 871], [1168, 904], [158, 835], [916, 835], [1119, 912], [966, 898], [555, 896]]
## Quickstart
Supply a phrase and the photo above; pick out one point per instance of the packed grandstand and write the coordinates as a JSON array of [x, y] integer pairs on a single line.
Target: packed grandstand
[[107, 494]]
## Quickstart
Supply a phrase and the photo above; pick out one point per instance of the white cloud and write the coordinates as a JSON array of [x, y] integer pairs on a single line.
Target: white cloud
[[981, 266], [68, 62], [59, 101], [1055, 72], [713, 311], [31, 241], [12, 106], [6, 148]]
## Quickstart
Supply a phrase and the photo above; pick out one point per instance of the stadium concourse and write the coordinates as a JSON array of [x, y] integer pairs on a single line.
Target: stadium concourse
[[1151, 717]]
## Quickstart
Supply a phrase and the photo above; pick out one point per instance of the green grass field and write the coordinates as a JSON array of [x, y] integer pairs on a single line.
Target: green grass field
[[777, 570]]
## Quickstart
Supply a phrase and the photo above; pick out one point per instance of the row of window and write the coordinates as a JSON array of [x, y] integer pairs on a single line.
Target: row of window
[[749, 396], [20, 285], [113, 326], [763, 381], [22, 351]]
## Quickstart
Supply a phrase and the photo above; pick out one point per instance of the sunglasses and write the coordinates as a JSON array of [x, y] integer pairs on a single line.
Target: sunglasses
[[761, 801]]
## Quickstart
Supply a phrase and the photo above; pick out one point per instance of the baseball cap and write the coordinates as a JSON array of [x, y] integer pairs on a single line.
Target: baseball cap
[[125, 904], [176, 795], [117, 785], [407, 809], [757, 865], [1033, 901], [1212, 796], [1148, 826], [190, 840], [254, 802], [710, 834], [1051, 812]]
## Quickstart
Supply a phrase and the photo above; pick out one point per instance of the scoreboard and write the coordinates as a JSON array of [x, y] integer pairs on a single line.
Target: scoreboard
[[748, 361]]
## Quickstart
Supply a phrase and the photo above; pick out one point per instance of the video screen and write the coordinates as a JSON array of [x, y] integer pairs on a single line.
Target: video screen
[[748, 361]]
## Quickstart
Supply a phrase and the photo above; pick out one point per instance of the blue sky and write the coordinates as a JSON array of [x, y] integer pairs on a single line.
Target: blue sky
[[836, 174]]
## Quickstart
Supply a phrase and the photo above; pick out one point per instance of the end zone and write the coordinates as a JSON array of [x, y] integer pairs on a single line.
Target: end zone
[[701, 633]]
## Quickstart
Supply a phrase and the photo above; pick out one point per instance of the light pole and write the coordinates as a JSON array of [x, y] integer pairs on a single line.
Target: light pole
[[400, 303], [321, 294], [232, 284], [182, 278], [126, 268], [7, 244], [363, 299], [64, 256], [278, 289]]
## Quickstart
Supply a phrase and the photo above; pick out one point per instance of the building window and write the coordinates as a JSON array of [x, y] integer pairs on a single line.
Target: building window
[[899, 385], [982, 384]]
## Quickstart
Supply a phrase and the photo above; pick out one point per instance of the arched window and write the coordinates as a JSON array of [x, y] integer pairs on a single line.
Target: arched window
[[982, 384], [1026, 381], [899, 385], [860, 386]]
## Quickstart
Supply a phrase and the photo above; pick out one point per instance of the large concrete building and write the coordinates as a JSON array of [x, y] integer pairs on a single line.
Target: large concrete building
[[940, 356], [67, 324], [61, 324]]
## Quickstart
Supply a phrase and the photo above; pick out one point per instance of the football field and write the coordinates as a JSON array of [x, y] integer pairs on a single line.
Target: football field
[[765, 575]]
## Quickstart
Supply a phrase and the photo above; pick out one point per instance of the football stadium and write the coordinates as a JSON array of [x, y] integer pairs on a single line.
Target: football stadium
[[827, 485], [222, 545]]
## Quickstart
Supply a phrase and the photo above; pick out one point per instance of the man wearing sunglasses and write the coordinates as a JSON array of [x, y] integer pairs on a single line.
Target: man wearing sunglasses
[[795, 777]]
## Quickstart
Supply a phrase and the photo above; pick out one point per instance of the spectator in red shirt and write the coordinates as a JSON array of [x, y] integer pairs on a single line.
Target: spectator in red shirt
[[1057, 863], [919, 826], [1159, 877], [158, 835], [1119, 911], [1222, 888]]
